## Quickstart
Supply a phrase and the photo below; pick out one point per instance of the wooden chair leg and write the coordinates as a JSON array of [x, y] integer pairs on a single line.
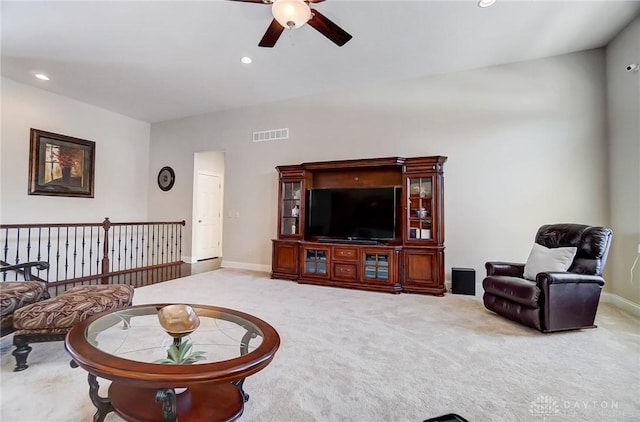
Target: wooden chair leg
[[21, 353]]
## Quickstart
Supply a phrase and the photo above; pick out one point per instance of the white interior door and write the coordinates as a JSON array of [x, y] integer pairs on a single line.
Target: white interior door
[[209, 216]]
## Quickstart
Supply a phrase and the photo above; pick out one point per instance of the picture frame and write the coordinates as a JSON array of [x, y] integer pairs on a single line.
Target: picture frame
[[61, 165]]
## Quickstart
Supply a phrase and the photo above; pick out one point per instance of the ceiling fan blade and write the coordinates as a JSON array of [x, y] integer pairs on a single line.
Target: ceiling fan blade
[[329, 29], [271, 36], [271, 1], [254, 1]]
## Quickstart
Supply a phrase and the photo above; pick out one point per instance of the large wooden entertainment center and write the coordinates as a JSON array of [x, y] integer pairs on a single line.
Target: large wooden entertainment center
[[412, 261]]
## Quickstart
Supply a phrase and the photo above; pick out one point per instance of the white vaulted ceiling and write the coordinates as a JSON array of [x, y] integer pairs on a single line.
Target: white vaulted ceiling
[[157, 61]]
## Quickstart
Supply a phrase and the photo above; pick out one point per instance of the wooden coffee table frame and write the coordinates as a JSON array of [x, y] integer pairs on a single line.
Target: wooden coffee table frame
[[144, 392]]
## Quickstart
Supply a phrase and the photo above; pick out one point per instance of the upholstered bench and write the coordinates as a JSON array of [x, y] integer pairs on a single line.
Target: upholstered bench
[[51, 319], [16, 294]]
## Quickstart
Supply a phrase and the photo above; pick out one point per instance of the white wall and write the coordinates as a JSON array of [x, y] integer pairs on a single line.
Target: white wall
[[526, 144], [624, 150], [122, 158]]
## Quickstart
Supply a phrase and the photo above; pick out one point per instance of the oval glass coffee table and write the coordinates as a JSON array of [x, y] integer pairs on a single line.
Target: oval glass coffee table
[[125, 345]]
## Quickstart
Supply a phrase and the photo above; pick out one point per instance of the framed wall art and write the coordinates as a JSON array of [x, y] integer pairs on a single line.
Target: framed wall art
[[60, 165]]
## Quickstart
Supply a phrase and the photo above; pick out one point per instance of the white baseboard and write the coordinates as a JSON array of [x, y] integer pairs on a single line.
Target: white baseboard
[[189, 259], [246, 266], [622, 303]]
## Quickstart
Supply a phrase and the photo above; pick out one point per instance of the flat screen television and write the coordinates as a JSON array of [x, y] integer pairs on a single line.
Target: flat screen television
[[353, 213]]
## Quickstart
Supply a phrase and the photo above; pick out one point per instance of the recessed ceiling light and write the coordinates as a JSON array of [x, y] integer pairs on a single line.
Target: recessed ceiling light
[[246, 60], [42, 76], [486, 3]]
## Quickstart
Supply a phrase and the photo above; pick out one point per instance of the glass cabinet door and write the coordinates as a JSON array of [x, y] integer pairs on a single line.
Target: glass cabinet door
[[290, 212], [376, 266], [315, 261], [420, 208]]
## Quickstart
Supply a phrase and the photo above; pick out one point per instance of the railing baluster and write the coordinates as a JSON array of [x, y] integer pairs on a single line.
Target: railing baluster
[[131, 247], [39, 242], [105, 256], [90, 248], [18, 248], [153, 241], [163, 226], [142, 254], [6, 250], [66, 254], [98, 252], [75, 250], [179, 257], [160, 243], [6, 244], [168, 228], [113, 239], [137, 243], [49, 252], [84, 241], [171, 228], [28, 244], [58, 255]]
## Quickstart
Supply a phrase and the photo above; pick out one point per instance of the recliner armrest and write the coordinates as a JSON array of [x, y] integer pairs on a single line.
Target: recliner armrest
[[511, 269], [565, 278]]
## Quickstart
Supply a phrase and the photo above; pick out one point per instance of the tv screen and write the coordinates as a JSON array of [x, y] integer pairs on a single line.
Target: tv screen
[[353, 213]]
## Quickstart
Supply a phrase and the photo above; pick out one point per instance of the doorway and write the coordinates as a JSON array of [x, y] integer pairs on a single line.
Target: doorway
[[207, 206], [209, 213]]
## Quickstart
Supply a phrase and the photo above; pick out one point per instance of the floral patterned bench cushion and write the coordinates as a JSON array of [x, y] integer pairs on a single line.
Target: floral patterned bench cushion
[[15, 295], [67, 309]]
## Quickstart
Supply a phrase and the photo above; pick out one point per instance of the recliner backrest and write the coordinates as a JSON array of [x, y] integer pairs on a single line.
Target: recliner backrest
[[592, 243]]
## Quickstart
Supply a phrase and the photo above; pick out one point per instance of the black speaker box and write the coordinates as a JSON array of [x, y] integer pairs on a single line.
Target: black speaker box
[[450, 417], [463, 281]]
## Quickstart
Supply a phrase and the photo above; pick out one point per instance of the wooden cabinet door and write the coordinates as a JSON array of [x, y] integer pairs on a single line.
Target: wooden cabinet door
[[285, 262], [423, 271]]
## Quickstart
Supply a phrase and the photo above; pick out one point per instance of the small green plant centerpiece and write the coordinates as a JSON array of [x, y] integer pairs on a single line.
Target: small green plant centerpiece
[[181, 354], [179, 321]]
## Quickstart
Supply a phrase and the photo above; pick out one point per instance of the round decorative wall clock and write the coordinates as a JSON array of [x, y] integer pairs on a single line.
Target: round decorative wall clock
[[166, 178]]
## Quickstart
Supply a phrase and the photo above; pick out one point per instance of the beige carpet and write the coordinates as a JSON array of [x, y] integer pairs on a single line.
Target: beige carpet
[[349, 355]]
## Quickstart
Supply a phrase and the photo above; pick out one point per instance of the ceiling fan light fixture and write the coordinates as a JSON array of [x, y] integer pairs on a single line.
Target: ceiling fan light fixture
[[291, 14], [486, 3]]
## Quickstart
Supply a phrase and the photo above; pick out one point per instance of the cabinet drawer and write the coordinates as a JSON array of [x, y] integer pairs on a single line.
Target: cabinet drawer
[[343, 271], [345, 253]]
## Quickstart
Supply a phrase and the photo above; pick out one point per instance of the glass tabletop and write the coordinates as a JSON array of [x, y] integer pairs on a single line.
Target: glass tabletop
[[136, 334]]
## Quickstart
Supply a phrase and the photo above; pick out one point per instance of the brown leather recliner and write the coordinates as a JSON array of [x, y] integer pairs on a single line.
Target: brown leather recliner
[[555, 301]]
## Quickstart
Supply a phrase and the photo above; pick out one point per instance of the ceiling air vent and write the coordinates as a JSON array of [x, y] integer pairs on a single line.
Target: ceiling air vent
[[271, 135]]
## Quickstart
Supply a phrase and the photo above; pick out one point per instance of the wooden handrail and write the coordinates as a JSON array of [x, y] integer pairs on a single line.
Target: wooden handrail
[[39, 225]]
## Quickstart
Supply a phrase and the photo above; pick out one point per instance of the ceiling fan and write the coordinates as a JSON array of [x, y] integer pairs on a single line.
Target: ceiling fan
[[291, 14]]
